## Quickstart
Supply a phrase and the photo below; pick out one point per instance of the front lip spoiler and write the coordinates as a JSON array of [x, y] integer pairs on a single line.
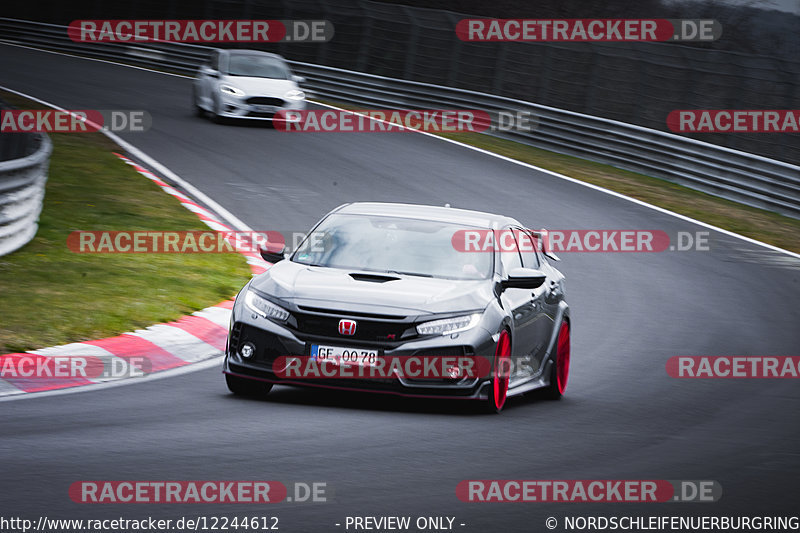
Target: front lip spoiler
[[245, 117], [481, 394]]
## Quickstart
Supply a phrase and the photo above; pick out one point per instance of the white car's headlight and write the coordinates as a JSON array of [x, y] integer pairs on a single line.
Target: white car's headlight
[[294, 95], [264, 307], [230, 89], [446, 326]]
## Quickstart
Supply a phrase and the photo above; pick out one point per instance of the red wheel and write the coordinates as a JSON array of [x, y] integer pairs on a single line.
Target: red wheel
[[502, 372], [559, 373], [562, 359]]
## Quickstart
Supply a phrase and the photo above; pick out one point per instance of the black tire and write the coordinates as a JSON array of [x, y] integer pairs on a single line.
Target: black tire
[[558, 384], [247, 387]]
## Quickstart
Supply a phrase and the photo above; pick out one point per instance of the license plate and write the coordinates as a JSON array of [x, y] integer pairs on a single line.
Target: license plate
[[265, 108], [339, 355]]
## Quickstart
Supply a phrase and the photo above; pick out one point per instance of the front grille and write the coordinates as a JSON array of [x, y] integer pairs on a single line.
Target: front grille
[[236, 332], [258, 114], [366, 330], [265, 100]]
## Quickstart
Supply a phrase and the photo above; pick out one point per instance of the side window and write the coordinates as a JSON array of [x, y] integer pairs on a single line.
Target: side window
[[527, 247], [509, 255]]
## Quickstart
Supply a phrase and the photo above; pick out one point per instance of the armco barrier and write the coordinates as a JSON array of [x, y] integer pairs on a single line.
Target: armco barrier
[[740, 176], [24, 159]]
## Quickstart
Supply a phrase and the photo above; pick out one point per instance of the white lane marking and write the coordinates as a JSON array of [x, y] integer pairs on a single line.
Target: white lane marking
[[481, 150]]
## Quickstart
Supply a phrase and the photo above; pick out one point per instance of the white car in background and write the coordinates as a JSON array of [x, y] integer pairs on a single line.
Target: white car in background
[[246, 84]]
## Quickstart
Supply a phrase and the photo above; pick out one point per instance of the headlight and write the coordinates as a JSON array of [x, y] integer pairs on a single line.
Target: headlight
[[264, 307], [447, 326], [294, 95], [230, 89]]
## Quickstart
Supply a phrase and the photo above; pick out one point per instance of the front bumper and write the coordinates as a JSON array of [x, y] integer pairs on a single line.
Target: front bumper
[[272, 340], [241, 106]]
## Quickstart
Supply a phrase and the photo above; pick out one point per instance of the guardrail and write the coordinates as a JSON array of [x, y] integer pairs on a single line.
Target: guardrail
[[739, 176], [24, 159]]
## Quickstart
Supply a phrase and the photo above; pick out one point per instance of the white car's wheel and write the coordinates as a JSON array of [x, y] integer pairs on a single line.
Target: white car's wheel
[[217, 113], [198, 111]]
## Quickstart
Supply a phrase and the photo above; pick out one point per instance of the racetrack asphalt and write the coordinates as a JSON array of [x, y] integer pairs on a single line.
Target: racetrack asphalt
[[623, 417]]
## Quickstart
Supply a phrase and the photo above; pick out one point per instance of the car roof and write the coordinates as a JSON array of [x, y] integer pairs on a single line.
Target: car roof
[[244, 52], [428, 212]]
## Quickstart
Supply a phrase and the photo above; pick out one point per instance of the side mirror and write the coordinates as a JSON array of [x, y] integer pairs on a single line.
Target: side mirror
[[271, 256], [298, 79], [524, 278]]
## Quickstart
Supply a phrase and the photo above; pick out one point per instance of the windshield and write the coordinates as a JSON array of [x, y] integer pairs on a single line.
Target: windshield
[[257, 66], [391, 245]]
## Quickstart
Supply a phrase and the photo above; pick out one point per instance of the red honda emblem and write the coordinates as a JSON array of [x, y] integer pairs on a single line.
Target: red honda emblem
[[347, 327]]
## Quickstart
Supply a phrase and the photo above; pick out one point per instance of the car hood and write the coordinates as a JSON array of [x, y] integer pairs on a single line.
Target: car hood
[[337, 289], [260, 86]]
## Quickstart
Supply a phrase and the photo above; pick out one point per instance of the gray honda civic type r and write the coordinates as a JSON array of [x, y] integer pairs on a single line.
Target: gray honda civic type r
[[379, 282]]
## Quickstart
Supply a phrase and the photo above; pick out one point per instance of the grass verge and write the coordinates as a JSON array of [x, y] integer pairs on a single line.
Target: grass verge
[[50, 295], [752, 222]]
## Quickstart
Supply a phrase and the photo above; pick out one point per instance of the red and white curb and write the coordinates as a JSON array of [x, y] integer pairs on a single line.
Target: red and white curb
[[199, 337]]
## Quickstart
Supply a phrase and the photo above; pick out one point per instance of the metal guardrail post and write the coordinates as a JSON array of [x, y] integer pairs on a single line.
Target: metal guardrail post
[[22, 183]]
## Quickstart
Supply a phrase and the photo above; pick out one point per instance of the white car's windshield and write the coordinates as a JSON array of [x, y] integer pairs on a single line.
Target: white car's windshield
[[392, 245], [257, 67]]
